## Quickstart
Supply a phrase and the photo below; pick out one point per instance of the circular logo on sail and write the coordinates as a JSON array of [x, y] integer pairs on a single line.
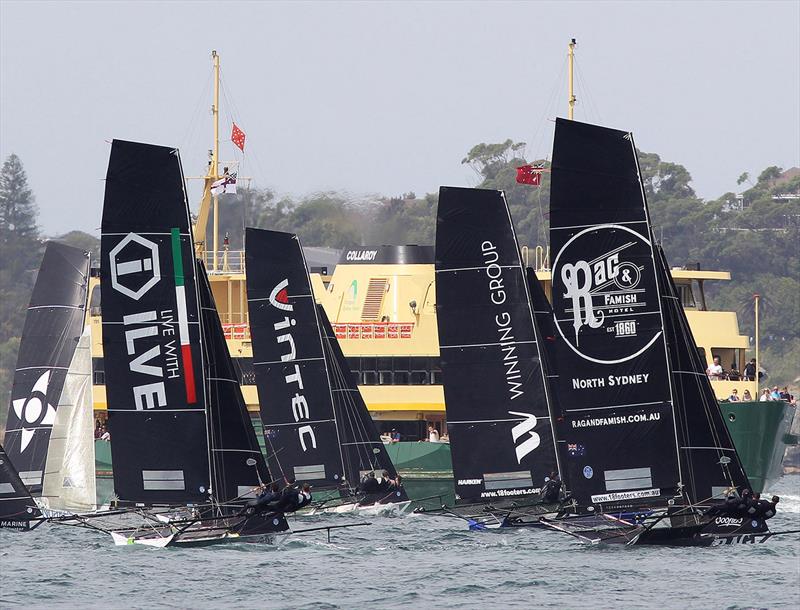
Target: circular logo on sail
[[604, 295], [588, 472]]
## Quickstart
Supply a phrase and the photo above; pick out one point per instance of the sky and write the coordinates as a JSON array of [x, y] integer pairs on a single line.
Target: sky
[[385, 97]]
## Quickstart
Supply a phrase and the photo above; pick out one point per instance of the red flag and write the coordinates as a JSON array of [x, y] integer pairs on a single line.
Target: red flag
[[237, 137], [528, 174]]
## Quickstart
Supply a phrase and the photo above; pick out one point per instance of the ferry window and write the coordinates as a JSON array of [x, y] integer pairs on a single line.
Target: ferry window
[[384, 364], [402, 363], [419, 377], [94, 301], [385, 378], [686, 294], [727, 356], [99, 378], [354, 364], [368, 364], [436, 371], [370, 378], [401, 377]]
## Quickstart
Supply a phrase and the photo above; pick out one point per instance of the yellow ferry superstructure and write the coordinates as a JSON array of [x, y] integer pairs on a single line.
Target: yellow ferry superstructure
[[381, 302]]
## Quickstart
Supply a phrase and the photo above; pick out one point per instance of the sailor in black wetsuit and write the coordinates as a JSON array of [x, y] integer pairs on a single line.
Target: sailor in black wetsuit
[[551, 490], [260, 503], [766, 509], [369, 484]]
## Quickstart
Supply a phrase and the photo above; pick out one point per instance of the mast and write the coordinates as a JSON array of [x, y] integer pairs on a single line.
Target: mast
[[215, 155], [757, 299], [571, 66]]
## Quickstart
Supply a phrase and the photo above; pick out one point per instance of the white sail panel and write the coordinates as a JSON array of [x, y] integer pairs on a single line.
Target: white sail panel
[[69, 478]]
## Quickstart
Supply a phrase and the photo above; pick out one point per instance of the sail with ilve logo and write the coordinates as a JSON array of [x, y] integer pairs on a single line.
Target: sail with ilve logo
[[151, 331], [495, 393]]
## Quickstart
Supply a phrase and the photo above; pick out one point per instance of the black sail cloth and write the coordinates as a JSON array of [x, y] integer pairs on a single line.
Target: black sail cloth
[[237, 464], [53, 325], [17, 507], [711, 464], [362, 448], [498, 419], [615, 399], [151, 331], [289, 361]]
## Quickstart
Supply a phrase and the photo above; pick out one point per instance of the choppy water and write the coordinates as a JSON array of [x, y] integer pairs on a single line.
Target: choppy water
[[424, 561]]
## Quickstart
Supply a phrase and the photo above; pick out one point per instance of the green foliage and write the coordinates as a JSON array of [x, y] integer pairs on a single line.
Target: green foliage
[[82, 240]]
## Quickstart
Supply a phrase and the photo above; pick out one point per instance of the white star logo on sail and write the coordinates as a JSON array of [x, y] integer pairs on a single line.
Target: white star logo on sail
[[34, 411]]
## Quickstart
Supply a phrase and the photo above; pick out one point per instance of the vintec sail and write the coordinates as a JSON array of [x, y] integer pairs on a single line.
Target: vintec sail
[[53, 324], [316, 425], [17, 507], [496, 396], [635, 424]]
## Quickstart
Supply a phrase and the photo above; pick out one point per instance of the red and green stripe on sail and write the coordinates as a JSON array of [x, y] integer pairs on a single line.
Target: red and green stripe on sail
[[183, 320]]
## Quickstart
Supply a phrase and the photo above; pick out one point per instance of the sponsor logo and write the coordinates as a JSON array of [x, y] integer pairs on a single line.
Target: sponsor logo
[[34, 411], [505, 328], [470, 481], [510, 492], [605, 292], [588, 472], [361, 255], [729, 521], [522, 429], [279, 297], [613, 421], [135, 266], [610, 381], [627, 495]]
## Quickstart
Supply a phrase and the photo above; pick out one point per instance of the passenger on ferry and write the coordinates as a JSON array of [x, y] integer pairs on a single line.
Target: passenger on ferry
[[733, 373], [395, 435], [433, 434], [775, 395], [714, 370], [765, 397], [734, 397], [747, 396], [750, 370]]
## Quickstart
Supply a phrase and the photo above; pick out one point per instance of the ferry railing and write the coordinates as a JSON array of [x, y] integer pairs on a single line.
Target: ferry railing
[[224, 261]]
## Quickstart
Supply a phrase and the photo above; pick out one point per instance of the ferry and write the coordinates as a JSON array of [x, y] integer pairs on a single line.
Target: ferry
[[381, 302]]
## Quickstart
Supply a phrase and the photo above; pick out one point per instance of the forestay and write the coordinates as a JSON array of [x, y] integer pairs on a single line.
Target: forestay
[[151, 331], [616, 411], [53, 324], [497, 413], [69, 477]]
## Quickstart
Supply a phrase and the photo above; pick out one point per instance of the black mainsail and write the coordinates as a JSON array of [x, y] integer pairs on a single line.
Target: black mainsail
[[617, 419], [501, 436], [289, 360], [637, 418], [17, 507], [151, 331], [53, 325], [237, 464], [362, 449]]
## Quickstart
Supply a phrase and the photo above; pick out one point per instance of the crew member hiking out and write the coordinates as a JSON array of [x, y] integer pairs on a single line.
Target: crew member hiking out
[[551, 490]]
